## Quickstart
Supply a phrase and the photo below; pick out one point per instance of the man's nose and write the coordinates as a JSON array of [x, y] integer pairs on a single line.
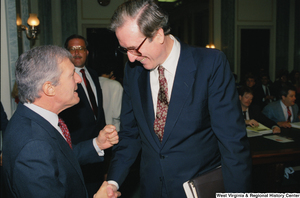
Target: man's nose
[[131, 57]]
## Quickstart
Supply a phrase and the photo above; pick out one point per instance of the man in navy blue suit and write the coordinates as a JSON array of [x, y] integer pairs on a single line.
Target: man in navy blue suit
[[38, 158], [86, 118], [204, 126]]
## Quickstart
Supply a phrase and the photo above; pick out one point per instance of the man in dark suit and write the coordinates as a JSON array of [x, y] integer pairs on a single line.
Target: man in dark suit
[[180, 109], [284, 111], [263, 94], [86, 118], [252, 113], [38, 157]]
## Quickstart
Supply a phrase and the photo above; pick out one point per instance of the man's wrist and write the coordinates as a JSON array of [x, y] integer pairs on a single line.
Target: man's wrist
[[113, 183]]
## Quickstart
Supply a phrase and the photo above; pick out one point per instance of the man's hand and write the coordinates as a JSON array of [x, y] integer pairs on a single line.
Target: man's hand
[[276, 129], [285, 124], [252, 123], [107, 191], [107, 137]]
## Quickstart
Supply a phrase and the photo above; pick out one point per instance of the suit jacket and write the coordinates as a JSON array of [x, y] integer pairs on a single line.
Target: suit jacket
[[4, 120], [37, 160], [258, 96], [80, 118], [204, 122], [274, 112], [256, 114]]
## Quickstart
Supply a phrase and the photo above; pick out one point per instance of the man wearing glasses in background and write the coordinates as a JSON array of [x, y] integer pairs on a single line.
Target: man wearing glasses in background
[[86, 118], [180, 109]]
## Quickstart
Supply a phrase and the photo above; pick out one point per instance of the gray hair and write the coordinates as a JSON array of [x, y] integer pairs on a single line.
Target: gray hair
[[150, 17], [35, 67]]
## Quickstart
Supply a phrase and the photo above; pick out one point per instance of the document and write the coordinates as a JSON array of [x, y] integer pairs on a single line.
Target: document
[[278, 138], [295, 125], [257, 131]]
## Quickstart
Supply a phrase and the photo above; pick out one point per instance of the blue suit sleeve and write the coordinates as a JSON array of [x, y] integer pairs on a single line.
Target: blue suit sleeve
[[229, 127], [38, 171]]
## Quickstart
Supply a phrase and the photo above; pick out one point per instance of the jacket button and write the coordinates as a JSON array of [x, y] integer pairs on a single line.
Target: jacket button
[[162, 157]]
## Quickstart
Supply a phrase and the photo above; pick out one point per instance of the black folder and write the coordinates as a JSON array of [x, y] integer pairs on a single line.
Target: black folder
[[205, 185]]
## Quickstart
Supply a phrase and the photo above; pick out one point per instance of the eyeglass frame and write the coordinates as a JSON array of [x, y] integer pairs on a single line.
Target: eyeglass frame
[[79, 48], [131, 51]]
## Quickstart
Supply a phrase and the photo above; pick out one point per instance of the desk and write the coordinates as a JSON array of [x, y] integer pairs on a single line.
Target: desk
[[269, 159]]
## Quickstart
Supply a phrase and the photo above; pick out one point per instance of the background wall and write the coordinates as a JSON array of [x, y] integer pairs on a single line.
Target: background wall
[[197, 22]]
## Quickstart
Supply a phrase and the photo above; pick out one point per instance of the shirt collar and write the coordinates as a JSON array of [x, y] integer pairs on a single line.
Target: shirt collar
[[51, 117], [173, 57]]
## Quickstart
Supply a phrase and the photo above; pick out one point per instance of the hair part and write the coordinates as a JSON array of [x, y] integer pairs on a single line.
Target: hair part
[[148, 15], [37, 66]]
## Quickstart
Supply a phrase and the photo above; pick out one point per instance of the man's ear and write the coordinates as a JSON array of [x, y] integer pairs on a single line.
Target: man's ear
[[160, 35], [48, 89]]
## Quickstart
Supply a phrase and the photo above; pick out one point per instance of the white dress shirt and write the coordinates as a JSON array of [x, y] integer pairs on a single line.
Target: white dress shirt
[[284, 109], [170, 66], [112, 92], [88, 76]]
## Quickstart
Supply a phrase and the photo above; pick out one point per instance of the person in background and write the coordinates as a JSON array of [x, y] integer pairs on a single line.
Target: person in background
[[283, 111], [86, 118], [282, 80], [39, 159], [3, 124], [252, 113], [295, 80], [263, 94], [179, 108], [112, 92], [4, 120]]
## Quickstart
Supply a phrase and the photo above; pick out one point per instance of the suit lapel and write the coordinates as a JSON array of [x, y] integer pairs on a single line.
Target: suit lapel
[[183, 82], [280, 111], [55, 135], [147, 105]]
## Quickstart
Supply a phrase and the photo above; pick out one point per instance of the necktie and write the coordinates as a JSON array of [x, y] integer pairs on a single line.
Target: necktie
[[162, 105], [90, 92], [244, 113], [65, 131], [289, 114]]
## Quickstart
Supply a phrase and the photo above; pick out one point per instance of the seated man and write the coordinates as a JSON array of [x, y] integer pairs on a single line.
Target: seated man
[[283, 111], [252, 113]]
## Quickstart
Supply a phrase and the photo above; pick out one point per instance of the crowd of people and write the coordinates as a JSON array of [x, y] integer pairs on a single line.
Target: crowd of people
[[278, 100]]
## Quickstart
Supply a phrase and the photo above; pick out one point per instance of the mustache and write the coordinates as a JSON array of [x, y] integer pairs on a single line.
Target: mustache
[[77, 56]]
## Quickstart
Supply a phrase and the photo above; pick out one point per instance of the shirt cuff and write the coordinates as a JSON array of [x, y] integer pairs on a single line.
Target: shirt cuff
[[98, 150], [114, 183]]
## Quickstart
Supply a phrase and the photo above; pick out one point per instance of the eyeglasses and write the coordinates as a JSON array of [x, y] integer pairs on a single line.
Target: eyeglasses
[[132, 51], [79, 48]]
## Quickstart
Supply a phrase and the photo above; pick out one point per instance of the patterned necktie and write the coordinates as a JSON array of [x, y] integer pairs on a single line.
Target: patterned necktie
[[162, 105], [289, 114], [65, 131], [90, 92]]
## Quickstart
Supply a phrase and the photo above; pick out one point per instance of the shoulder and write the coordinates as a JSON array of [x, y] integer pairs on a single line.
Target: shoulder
[[272, 106], [106, 82]]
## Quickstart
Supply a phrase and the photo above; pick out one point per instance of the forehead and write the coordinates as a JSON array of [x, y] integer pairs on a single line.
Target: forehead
[[291, 92], [247, 95], [76, 42], [66, 65], [129, 34]]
